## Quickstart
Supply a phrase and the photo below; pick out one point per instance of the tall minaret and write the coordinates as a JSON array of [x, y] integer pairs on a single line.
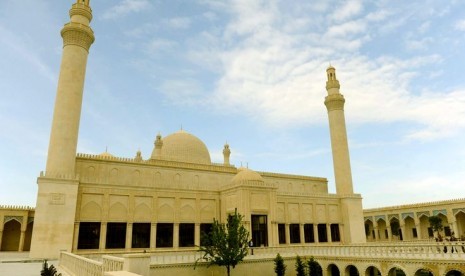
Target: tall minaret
[[335, 104], [58, 187], [351, 210], [77, 38]]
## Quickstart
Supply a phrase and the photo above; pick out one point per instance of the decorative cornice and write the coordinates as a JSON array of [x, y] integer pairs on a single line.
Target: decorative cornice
[[17, 207], [334, 102], [159, 162], [414, 205], [81, 9], [77, 34], [332, 84]]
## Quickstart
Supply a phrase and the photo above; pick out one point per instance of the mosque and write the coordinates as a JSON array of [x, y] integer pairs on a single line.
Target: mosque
[[107, 204]]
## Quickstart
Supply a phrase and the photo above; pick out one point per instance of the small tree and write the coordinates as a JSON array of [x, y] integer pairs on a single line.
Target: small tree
[[48, 270], [314, 268], [225, 245], [299, 266], [436, 224], [279, 266]]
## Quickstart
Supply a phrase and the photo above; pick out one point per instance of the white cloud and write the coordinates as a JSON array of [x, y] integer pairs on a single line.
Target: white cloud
[[126, 7], [416, 45], [460, 25], [350, 9], [179, 23], [347, 28], [157, 46]]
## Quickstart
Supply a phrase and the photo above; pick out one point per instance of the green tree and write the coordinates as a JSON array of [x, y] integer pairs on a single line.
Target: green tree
[[226, 244], [48, 270], [299, 266], [436, 224], [314, 268], [279, 266]]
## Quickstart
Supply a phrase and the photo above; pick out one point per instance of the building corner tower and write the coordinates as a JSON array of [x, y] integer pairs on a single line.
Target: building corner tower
[[58, 186], [351, 204]]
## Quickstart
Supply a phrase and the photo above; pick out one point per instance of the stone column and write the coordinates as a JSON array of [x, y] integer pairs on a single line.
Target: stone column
[[103, 236], [21, 241], [128, 236], [328, 232], [197, 234], [418, 227], [153, 236], [76, 236], [288, 235], [453, 223], [375, 230], [341, 229], [315, 233], [402, 229], [302, 234], [1, 237], [176, 235], [388, 228]]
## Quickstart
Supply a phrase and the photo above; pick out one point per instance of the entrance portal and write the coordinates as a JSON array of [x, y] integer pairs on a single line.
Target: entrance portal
[[259, 230]]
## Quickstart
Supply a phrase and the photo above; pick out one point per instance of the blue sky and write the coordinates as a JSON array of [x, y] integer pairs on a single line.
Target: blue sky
[[251, 73]]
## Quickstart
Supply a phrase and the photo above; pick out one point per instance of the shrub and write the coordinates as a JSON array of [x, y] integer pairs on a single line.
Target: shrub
[[279, 266], [48, 270]]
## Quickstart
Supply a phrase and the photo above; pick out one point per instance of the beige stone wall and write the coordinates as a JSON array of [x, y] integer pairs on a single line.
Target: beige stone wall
[[16, 227], [158, 191]]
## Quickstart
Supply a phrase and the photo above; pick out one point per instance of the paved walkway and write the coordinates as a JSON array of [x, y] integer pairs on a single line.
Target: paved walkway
[[19, 264]]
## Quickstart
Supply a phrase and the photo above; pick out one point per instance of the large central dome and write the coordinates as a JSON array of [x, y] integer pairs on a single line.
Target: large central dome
[[184, 147]]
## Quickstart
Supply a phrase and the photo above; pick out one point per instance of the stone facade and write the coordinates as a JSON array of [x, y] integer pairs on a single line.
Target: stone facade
[[410, 222], [102, 203]]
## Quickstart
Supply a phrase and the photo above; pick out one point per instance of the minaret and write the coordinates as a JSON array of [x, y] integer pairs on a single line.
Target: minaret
[[77, 38], [226, 154], [58, 187], [351, 210], [156, 154], [335, 104]]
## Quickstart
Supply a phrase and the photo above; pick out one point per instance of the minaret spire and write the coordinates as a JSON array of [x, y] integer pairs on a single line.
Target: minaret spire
[[58, 188], [350, 203], [335, 104]]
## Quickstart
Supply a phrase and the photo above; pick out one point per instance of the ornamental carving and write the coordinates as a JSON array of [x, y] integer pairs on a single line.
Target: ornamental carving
[[334, 102], [77, 34], [10, 218], [81, 9]]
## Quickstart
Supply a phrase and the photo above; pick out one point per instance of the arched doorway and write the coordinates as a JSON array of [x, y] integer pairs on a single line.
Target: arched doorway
[[382, 229], [395, 229], [333, 270], [460, 219], [445, 223], [395, 271], [351, 271], [372, 271], [410, 230], [423, 272], [11, 235], [424, 226], [454, 273], [369, 230]]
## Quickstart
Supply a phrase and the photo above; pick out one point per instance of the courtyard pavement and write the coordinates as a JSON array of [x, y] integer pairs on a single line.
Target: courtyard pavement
[[19, 264]]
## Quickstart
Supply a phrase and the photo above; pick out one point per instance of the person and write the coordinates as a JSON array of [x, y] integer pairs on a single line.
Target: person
[[251, 247]]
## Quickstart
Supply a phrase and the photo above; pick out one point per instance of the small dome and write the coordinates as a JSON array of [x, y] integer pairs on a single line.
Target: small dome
[[105, 154], [184, 147], [245, 176]]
